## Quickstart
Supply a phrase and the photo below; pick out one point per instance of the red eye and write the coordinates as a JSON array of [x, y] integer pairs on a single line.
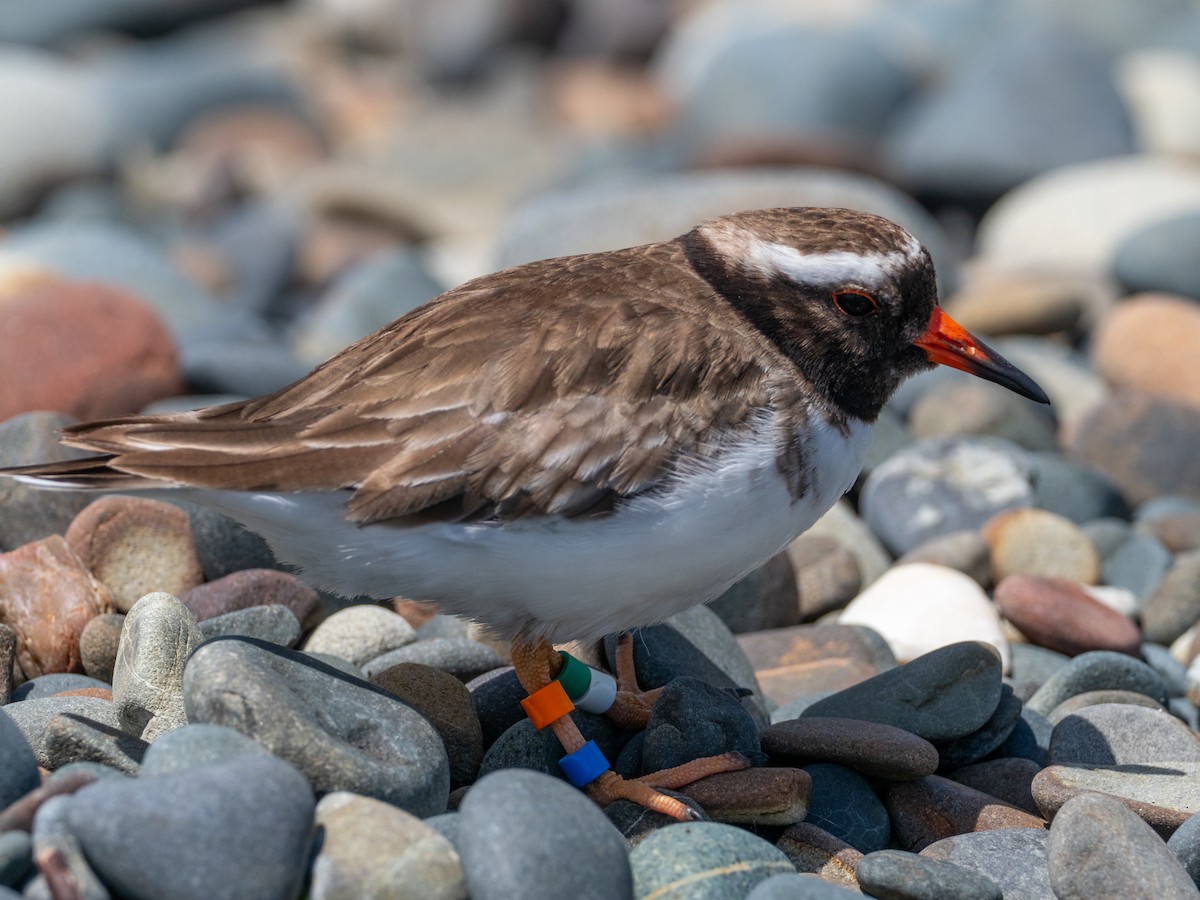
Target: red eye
[[855, 303]]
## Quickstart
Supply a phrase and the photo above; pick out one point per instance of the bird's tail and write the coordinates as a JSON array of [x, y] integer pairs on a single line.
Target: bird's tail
[[92, 473]]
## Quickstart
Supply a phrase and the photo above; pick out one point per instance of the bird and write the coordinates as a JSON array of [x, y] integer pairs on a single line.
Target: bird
[[575, 446]]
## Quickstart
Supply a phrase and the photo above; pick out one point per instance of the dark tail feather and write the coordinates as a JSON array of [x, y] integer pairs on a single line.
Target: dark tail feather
[[92, 473]]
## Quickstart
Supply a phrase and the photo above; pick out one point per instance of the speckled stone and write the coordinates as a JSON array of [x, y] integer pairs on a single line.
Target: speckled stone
[[889, 874], [1095, 698], [1007, 778], [1164, 795], [1120, 734], [1040, 543], [1174, 606], [1014, 858], [934, 808], [807, 659], [359, 633], [461, 657], [814, 850], [98, 644], [1100, 848]]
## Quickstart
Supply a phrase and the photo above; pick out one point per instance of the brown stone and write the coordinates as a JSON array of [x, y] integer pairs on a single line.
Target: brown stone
[[8, 656], [1179, 533], [1164, 794], [1149, 343], [98, 645], [1147, 446], [446, 703], [815, 850], [809, 659], [86, 349], [933, 808], [98, 693], [873, 749], [827, 574], [1038, 542], [415, 612], [136, 546], [1008, 779], [253, 587], [998, 303], [47, 597], [1059, 614], [754, 796]]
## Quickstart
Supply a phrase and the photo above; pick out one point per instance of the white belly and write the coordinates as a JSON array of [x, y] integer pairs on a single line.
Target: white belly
[[566, 578]]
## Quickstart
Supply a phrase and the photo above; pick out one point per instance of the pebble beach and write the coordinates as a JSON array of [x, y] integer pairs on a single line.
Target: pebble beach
[[977, 677]]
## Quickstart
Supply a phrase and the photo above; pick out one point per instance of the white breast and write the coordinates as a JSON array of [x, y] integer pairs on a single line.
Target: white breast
[[569, 578]]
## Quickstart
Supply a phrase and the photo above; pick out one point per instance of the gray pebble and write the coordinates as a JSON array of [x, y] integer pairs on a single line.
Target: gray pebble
[[898, 875], [1185, 844], [704, 861], [461, 657], [1013, 858], [798, 887], [1121, 734], [196, 745], [276, 624], [19, 774], [73, 738], [32, 717], [1095, 671], [360, 633], [56, 683]]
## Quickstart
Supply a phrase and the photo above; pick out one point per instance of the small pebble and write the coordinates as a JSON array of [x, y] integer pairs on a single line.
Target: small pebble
[[934, 808], [461, 657], [250, 588], [897, 875], [691, 720], [1164, 796], [1040, 543], [1096, 671], [812, 849], [806, 659], [276, 624], [869, 748], [705, 859], [1014, 858], [843, 803], [360, 633], [1174, 606], [19, 775], [1095, 698], [1059, 614], [196, 745], [98, 645], [758, 796]]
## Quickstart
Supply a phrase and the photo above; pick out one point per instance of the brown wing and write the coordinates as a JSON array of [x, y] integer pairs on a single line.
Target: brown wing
[[498, 400]]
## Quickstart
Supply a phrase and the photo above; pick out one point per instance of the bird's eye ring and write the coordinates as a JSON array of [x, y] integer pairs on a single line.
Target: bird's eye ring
[[855, 303]]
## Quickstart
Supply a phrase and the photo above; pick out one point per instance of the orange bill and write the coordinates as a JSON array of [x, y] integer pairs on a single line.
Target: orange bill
[[947, 343]]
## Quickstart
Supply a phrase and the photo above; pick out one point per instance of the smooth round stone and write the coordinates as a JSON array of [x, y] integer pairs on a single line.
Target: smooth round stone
[[16, 862], [635, 822], [1096, 698], [807, 660], [1158, 462], [46, 599], [704, 630], [1173, 672], [813, 850], [520, 835], [136, 546], [372, 850], [159, 635], [757, 796], [1164, 795], [843, 803], [342, 733], [1013, 858], [276, 624], [1033, 665], [360, 633], [983, 131], [461, 657], [249, 588], [869, 748], [1124, 857], [33, 718], [897, 874], [31, 514], [940, 486], [52, 833], [55, 683], [196, 745], [977, 409], [1147, 343], [979, 743], [73, 739], [226, 547], [1163, 90], [703, 861], [933, 808], [798, 887], [1185, 844], [1007, 778], [842, 524], [939, 696], [692, 719], [1075, 217], [98, 645], [1098, 670], [1074, 491], [19, 775], [766, 598], [447, 704], [238, 355], [920, 607], [963, 551], [827, 575], [1174, 606], [1000, 303], [366, 297], [1173, 520], [1121, 734], [240, 828], [1040, 543], [1138, 565], [1059, 614]]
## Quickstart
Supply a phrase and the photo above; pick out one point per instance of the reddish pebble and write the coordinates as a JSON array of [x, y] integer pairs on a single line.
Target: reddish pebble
[[810, 659], [933, 808], [86, 349], [873, 749], [136, 546], [777, 796], [47, 596], [1059, 614], [815, 851], [253, 587]]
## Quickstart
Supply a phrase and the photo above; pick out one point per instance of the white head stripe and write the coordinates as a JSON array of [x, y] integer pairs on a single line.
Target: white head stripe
[[835, 267]]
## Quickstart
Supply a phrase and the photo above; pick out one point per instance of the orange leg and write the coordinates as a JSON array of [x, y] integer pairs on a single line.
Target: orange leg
[[536, 663]]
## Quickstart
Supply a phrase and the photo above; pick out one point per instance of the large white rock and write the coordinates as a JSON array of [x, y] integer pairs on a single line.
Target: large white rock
[[919, 607]]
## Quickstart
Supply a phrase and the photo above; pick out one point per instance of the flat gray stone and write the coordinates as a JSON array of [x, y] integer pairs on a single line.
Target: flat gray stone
[[1014, 858], [33, 716], [704, 861], [1120, 733], [1098, 670], [196, 745], [275, 623], [342, 733], [896, 873]]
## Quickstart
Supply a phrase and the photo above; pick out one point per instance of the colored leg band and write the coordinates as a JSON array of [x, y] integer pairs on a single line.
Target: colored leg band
[[585, 765], [574, 676], [547, 705], [600, 695]]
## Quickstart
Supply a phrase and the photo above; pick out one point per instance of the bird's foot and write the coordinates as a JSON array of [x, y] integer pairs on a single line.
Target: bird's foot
[[632, 706], [645, 791]]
